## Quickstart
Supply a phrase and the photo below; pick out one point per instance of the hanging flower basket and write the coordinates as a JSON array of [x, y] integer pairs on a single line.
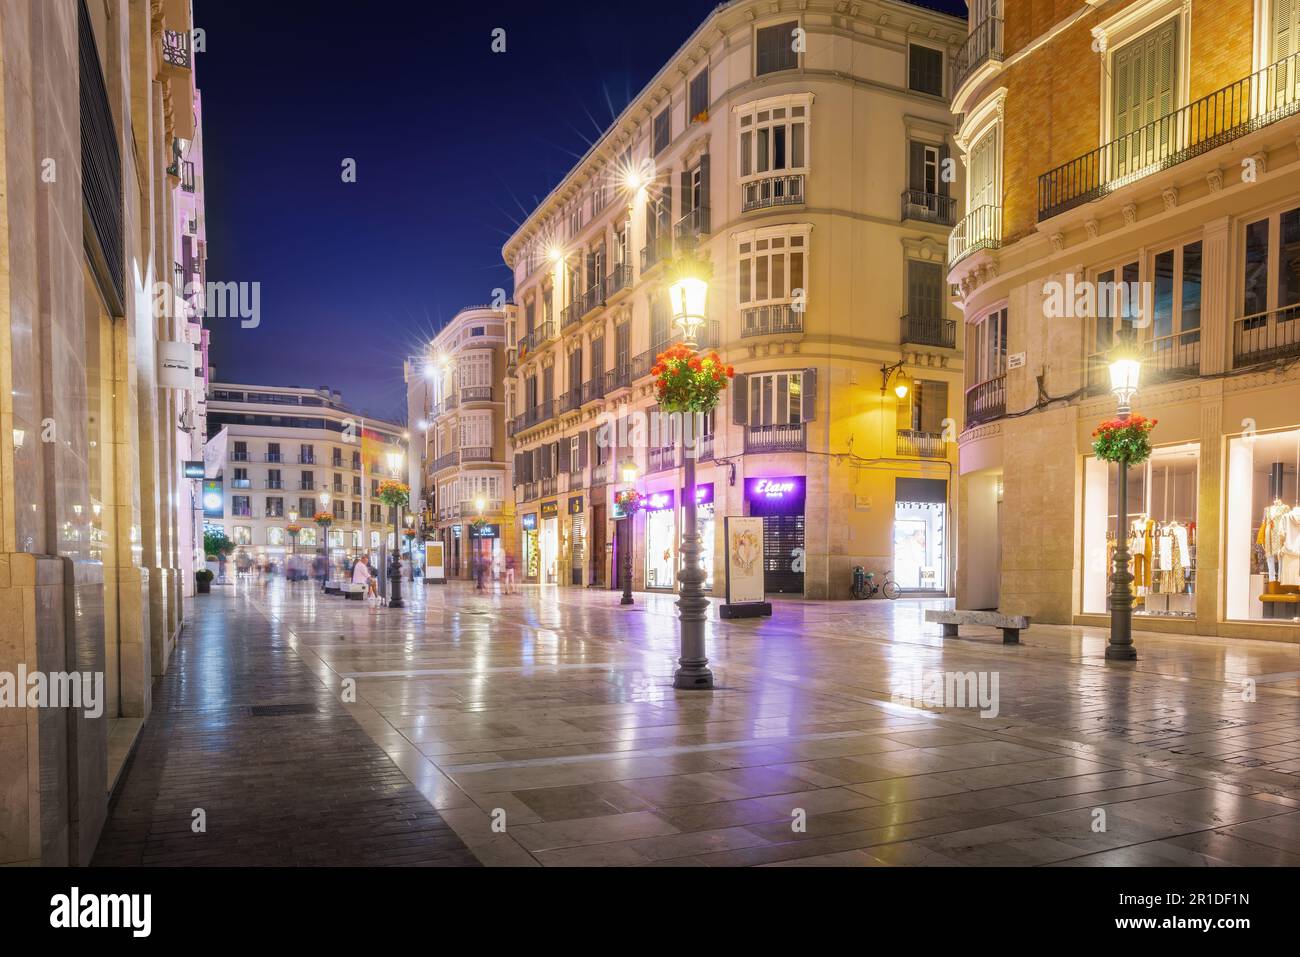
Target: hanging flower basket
[[628, 501], [293, 529], [477, 526], [1124, 440], [689, 381], [323, 519], [408, 533], [394, 494]]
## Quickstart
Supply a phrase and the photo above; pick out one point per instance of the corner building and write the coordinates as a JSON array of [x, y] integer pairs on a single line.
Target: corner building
[[1151, 148], [801, 151]]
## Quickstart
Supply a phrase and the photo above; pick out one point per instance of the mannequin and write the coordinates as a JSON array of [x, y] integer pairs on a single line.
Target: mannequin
[[1273, 536], [1289, 559]]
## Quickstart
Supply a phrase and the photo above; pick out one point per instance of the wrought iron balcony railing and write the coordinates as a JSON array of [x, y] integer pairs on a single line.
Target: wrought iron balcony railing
[[658, 249], [619, 279], [693, 225], [928, 331], [176, 49], [571, 400], [774, 319], [983, 44], [570, 314], [594, 388], [1265, 337], [600, 474], [926, 445], [445, 461], [986, 401], [594, 297], [929, 207], [981, 229], [776, 438], [1249, 104], [476, 393], [476, 453], [770, 191], [618, 378], [661, 459]]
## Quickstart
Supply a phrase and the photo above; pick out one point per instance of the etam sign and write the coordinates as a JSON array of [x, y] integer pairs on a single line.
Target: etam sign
[[775, 496]]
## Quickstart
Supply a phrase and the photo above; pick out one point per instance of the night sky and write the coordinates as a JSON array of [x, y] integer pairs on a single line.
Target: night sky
[[454, 145]]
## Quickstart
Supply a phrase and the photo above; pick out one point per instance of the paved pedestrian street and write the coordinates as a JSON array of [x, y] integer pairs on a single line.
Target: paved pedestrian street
[[543, 729]]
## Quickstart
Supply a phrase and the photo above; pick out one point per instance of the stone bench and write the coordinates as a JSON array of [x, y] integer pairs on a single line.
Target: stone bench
[[1011, 625], [352, 592]]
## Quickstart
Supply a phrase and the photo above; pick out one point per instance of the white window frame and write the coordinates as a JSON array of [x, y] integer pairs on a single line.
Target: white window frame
[[473, 427], [751, 111], [977, 363], [754, 384], [802, 231], [1129, 24], [984, 121]]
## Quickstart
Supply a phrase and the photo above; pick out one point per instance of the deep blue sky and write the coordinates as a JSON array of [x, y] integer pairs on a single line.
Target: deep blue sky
[[453, 145]]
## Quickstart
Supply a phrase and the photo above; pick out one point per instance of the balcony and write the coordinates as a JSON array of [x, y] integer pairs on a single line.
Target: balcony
[[704, 448], [274, 457], [661, 459], [771, 191], [531, 490], [176, 52], [447, 460], [1164, 359], [571, 314], [692, 226], [273, 484], [643, 362], [1261, 99], [238, 456], [593, 388], [981, 229], [241, 483], [593, 298], [540, 335], [550, 486], [771, 320], [618, 378], [571, 400], [618, 280], [476, 453], [983, 44], [776, 438], [476, 393], [929, 207], [986, 401], [1266, 337], [600, 475], [924, 445], [658, 249], [469, 508], [542, 412], [928, 331]]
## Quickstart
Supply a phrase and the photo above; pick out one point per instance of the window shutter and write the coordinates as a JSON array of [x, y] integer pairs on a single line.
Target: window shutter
[[809, 395], [1166, 78], [1286, 25], [686, 191], [564, 459], [916, 166], [740, 399], [704, 181], [944, 186], [934, 405], [582, 451]]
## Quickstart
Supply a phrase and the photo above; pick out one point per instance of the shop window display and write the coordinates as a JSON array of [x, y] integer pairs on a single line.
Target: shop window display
[[1263, 534], [1161, 532]]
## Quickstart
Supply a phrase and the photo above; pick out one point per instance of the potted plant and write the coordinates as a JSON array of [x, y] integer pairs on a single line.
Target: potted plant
[[203, 581], [1126, 440], [689, 381]]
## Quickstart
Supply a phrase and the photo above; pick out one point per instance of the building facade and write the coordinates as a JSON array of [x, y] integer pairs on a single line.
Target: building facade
[[290, 454], [1159, 206], [805, 154], [456, 406], [95, 100]]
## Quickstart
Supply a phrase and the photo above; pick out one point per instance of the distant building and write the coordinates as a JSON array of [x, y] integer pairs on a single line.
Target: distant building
[[298, 451], [456, 406]]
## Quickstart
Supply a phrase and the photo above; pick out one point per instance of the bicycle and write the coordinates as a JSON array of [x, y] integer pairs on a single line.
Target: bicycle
[[864, 585]]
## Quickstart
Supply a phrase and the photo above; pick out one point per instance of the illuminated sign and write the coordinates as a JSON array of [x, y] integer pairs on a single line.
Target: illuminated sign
[[703, 494], [783, 495], [194, 470], [550, 509], [529, 522], [575, 505], [658, 501], [213, 499]]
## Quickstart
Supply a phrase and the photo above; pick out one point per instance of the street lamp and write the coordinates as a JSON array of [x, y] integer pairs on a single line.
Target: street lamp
[[395, 564], [1125, 373], [629, 473], [293, 539], [688, 294], [324, 542], [476, 543]]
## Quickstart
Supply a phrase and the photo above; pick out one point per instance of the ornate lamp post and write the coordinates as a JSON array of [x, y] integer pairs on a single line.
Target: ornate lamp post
[[1125, 371], [395, 563], [324, 540], [629, 473], [293, 534], [688, 294]]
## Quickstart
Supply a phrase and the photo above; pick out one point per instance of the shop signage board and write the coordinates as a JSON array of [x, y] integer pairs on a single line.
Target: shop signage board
[[550, 509], [703, 494], [745, 596], [779, 495], [529, 522], [658, 501], [433, 563], [575, 505], [213, 499], [193, 470]]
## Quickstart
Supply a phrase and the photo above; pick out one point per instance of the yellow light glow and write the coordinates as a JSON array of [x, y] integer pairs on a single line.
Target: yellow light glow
[[901, 389]]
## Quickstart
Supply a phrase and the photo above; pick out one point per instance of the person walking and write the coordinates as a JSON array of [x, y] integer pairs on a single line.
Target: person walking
[[372, 581], [510, 574], [361, 574]]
